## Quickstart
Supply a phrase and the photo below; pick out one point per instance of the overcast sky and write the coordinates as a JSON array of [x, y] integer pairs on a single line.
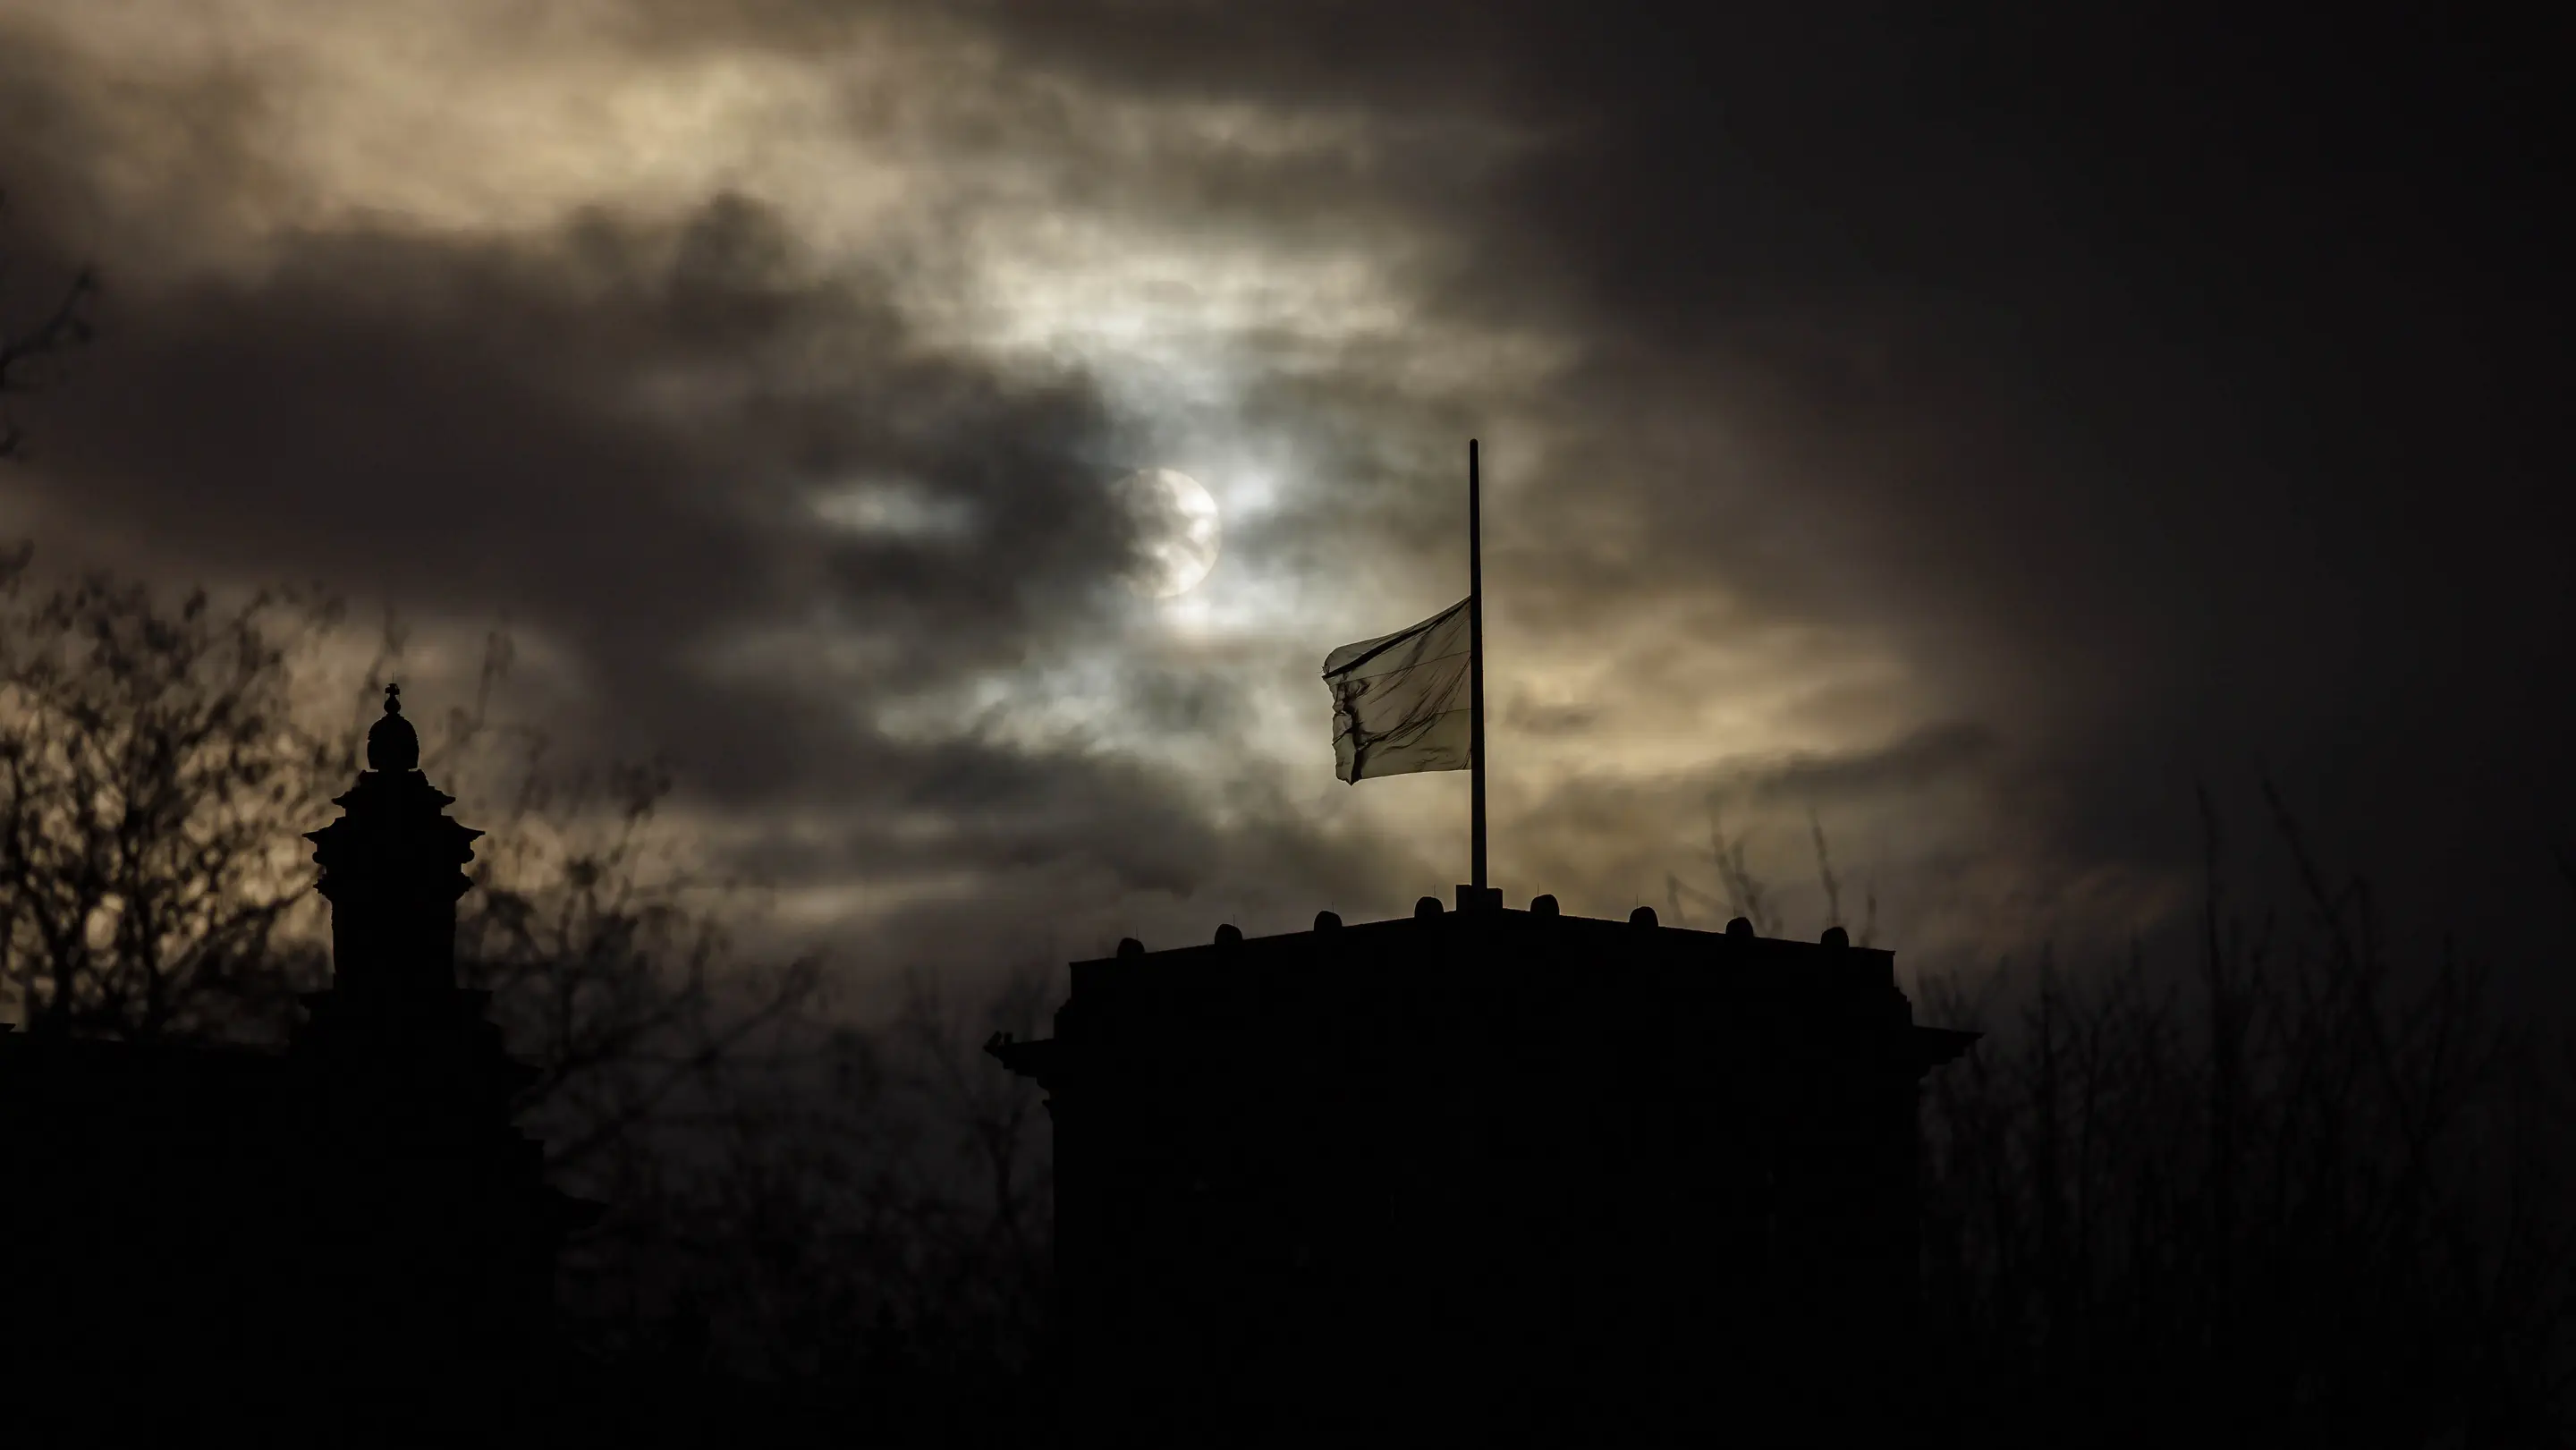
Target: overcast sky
[[1965, 434]]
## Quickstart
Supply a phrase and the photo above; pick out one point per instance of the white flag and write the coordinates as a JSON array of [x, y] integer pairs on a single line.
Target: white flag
[[1400, 701]]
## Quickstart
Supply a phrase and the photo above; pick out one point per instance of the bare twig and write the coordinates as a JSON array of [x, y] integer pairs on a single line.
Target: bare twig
[[37, 356], [1825, 872]]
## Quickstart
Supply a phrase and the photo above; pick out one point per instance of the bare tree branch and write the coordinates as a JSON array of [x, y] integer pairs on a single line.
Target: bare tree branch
[[37, 356]]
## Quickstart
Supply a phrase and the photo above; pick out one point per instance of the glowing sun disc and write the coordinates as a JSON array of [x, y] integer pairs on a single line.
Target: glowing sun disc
[[1177, 531]]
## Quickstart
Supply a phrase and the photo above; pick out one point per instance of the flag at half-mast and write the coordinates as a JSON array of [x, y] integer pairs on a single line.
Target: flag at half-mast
[[1401, 702]]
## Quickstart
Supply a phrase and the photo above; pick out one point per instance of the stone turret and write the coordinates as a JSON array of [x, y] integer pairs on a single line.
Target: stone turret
[[392, 868], [436, 1211], [404, 1043], [231, 1243]]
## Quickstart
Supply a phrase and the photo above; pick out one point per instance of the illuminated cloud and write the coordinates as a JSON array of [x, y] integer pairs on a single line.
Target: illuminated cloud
[[770, 365]]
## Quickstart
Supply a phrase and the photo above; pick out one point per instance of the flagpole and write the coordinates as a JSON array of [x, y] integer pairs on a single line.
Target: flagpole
[[1476, 663]]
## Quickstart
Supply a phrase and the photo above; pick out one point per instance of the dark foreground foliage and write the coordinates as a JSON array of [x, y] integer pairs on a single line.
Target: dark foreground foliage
[[2309, 1194]]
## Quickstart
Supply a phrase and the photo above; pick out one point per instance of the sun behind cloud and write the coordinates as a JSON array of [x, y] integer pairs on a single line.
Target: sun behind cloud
[[1178, 531]]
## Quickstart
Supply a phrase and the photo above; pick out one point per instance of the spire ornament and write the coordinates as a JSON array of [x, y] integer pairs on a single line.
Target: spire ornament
[[392, 745], [392, 867]]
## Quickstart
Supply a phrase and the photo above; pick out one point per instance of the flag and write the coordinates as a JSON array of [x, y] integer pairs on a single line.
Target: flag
[[1400, 702]]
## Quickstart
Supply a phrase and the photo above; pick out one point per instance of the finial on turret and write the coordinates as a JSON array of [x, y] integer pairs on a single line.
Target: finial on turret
[[392, 745]]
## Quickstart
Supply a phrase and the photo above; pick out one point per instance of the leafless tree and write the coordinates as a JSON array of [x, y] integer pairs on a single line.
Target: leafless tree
[[2316, 1194], [609, 958], [1745, 893], [151, 776], [835, 1201], [159, 763], [859, 1217], [1741, 892]]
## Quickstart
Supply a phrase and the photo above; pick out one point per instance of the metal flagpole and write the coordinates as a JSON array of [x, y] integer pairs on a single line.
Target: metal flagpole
[[1476, 662]]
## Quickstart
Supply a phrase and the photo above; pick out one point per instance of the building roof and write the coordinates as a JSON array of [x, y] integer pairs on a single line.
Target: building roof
[[1572, 963]]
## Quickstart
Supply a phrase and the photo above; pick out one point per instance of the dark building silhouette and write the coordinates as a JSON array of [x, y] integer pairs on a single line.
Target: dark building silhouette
[[1487, 1175], [346, 1235]]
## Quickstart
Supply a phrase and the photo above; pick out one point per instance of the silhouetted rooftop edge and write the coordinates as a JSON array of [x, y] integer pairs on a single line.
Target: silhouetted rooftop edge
[[1543, 917]]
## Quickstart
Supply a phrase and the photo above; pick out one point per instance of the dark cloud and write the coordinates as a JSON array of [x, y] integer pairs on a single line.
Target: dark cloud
[[2171, 396], [1926, 758], [2178, 387], [610, 434]]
